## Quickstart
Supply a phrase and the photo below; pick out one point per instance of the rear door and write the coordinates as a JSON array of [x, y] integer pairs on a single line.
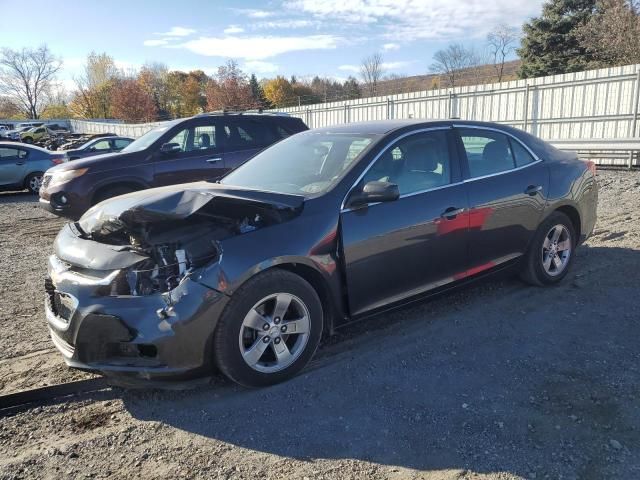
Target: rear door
[[244, 137], [507, 187], [199, 156], [12, 165], [398, 249]]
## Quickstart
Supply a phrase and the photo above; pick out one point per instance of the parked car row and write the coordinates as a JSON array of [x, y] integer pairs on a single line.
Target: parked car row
[[246, 267]]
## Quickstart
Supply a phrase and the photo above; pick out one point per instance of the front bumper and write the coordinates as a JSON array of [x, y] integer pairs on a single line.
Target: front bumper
[[62, 199], [160, 336]]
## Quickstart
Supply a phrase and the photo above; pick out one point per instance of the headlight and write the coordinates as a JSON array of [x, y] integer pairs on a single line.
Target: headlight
[[59, 178]]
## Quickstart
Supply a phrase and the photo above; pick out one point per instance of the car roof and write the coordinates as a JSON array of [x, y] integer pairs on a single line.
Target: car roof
[[383, 127], [22, 145]]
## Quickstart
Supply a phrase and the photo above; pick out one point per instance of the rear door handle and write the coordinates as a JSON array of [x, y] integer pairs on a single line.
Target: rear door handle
[[214, 160], [451, 213], [533, 190]]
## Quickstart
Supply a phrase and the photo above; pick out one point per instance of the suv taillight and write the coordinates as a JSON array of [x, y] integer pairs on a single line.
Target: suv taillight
[[57, 160], [591, 165]]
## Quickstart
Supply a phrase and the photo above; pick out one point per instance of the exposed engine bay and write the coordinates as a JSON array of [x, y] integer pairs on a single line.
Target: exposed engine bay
[[164, 236]]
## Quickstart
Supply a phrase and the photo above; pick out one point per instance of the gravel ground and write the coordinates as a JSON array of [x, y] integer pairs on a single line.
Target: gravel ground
[[495, 381]]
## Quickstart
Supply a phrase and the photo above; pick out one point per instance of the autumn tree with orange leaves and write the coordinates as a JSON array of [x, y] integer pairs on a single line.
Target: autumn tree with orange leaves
[[131, 102]]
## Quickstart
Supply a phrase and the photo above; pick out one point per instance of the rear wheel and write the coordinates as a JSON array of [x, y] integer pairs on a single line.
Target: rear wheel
[[27, 140], [33, 182], [270, 329], [551, 251], [110, 192]]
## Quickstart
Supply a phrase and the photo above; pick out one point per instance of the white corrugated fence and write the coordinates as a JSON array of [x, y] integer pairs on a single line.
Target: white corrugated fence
[[595, 104]]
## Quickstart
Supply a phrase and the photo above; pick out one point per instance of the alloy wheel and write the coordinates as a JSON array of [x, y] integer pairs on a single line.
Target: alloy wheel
[[35, 183], [556, 250], [274, 332]]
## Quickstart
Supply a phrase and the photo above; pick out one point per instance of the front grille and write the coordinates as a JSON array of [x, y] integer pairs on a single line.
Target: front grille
[[50, 293], [56, 301]]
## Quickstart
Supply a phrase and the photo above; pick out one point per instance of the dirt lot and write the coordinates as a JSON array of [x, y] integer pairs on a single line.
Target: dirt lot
[[497, 381]]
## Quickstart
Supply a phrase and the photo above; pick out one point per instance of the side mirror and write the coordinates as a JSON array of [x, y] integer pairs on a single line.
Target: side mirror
[[375, 192], [168, 148]]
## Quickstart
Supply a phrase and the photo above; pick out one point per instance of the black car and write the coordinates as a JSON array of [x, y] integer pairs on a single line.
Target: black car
[[325, 227], [203, 147], [99, 146]]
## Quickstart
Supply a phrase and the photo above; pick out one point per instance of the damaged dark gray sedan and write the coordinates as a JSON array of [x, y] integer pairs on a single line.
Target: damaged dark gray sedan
[[328, 226]]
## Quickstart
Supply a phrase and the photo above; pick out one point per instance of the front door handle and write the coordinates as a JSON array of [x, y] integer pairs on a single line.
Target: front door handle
[[533, 190], [214, 160], [451, 213]]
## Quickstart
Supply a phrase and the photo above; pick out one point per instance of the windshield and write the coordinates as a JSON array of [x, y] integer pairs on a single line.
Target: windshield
[[306, 164], [147, 139]]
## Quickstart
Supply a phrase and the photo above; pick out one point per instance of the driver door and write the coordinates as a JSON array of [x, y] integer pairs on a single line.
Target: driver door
[[398, 249], [198, 158]]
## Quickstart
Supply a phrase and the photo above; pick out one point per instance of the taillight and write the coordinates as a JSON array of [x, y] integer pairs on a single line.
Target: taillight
[[591, 166], [57, 160]]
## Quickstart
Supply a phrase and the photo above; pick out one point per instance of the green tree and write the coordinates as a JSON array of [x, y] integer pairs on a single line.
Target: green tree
[[612, 35], [550, 44], [257, 93]]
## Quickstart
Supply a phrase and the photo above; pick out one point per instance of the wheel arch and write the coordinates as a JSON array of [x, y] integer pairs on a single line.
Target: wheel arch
[[574, 215], [320, 285], [130, 183]]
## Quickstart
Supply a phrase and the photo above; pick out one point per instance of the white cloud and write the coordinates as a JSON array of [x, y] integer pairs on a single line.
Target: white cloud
[[258, 47], [178, 32], [254, 13], [390, 46], [231, 29], [394, 65], [424, 19], [349, 68], [258, 66], [155, 43], [284, 24]]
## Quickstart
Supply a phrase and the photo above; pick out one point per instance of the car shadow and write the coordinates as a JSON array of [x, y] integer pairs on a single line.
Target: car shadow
[[497, 377], [18, 197]]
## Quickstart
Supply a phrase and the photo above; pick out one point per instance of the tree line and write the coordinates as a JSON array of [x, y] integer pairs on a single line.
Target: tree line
[[568, 36]]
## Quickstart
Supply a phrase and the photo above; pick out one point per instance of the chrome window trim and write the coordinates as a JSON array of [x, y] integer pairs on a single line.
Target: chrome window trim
[[491, 129], [466, 180]]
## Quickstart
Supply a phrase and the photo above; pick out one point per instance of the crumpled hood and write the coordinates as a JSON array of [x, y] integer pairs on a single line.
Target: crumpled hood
[[171, 203]]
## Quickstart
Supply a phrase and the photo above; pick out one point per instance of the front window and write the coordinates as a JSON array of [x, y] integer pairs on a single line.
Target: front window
[[308, 164], [148, 138]]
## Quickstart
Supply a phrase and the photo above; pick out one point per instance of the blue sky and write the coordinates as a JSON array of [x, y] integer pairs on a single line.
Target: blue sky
[[273, 37]]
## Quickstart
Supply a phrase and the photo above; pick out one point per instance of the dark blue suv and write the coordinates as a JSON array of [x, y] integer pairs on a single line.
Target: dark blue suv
[[204, 147]]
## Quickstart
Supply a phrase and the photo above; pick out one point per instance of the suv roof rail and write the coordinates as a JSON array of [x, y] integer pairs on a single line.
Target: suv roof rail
[[259, 111]]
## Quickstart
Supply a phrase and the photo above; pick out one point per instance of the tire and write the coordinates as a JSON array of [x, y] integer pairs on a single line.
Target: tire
[[247, 355], [33, 182], [110, 192], [27, 140], [555, 234]]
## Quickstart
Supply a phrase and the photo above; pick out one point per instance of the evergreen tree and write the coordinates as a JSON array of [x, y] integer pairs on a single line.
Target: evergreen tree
[[550, 43], [257, 93]]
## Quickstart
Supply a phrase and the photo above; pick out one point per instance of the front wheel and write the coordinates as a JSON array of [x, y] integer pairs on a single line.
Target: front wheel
[[551, 251], [270, 329]]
